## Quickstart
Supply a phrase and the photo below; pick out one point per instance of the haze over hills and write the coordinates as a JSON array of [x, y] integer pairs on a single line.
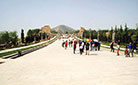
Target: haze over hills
[[63, 29]]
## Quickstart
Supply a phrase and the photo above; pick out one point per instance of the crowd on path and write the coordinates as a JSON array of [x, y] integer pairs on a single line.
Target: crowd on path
[[85, 46], [129, 50]]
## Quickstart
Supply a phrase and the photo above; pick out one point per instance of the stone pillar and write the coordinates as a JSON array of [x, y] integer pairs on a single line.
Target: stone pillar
[[35, 37], [98, 36], [113, 36], [22, 36]]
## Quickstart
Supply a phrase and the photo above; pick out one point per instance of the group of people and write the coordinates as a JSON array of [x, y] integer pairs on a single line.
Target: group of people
[[86, 46], [128, 50]]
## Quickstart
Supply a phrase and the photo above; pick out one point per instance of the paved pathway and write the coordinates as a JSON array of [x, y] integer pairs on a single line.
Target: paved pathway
[[54, 65]]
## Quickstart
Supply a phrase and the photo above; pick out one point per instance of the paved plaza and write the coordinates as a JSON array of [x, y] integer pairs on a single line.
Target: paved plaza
[[53, 65]]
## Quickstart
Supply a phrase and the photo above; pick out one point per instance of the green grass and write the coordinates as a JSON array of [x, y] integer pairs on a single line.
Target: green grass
[[15, 51]]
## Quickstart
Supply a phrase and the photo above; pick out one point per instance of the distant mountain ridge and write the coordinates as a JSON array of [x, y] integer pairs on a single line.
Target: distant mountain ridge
[[63, 29]]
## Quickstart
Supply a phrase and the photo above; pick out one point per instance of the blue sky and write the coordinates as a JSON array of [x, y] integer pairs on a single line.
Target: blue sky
[[95, 14]]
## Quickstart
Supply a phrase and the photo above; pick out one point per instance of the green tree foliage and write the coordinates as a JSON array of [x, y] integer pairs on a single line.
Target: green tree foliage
[[124, 35], [34, 34], [8, 38]]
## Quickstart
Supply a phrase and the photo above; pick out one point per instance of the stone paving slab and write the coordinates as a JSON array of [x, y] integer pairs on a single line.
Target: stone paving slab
[[53, 65]]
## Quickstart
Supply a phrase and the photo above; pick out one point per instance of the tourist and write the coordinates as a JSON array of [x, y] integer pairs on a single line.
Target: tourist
[[66, 44], [74, 46], [96, 46], [112, 46], [83, 46], [99, 45], [63, 43], [81, 49], [80, 43], [87, 48], [118, 48], [130, 47], [135, 46], [126, 52], [69, 43], [91, 44]]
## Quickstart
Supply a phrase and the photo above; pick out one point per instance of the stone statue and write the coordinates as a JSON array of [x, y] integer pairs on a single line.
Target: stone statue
[[22, 36]]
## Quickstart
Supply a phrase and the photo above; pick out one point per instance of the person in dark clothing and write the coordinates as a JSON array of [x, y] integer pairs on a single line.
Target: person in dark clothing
[[81, 49], [99, 45], [91, 44], [112, 46], [87, 48], [63, 44], [135, 46], [74, 46], [96, 46]]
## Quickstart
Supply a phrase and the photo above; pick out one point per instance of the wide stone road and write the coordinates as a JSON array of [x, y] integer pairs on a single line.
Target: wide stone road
[[53, 65]]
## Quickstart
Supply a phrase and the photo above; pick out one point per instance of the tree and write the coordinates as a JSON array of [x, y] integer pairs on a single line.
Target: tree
[[4, 37], [13, 38]]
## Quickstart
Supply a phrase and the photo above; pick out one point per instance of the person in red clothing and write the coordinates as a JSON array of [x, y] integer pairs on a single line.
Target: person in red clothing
[[126, 52], [118, 48], [74, 46], [66, 44]]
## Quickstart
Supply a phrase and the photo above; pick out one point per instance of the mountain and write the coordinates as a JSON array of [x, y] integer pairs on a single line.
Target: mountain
[[63, 29]]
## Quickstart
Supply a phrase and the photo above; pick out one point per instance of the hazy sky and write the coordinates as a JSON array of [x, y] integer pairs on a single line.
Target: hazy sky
[[95, 14]]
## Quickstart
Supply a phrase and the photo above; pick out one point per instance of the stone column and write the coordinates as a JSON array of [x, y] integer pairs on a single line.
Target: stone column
[[98, 36], [113, 36], [35, 37]]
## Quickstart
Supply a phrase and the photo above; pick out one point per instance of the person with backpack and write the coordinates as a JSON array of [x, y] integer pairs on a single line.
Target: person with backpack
[[130, 47]]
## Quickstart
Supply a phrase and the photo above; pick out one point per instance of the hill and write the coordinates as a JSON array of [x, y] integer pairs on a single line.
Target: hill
[[63, 29]]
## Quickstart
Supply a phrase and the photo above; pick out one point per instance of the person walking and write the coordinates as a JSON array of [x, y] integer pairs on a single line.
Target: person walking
[[112, 46], [99, 45], [87, 48], [126, 52], [71, 42], [80, 43], [135, 46], [81, 49], [91, 45], [96, 46], [66, 44], [118, 48], [130, 49], [63, 44], [74, 46]]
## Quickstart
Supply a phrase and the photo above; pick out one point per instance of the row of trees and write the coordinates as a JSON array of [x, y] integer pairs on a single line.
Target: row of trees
[[35, 35], [8, 38], [122, 34]]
